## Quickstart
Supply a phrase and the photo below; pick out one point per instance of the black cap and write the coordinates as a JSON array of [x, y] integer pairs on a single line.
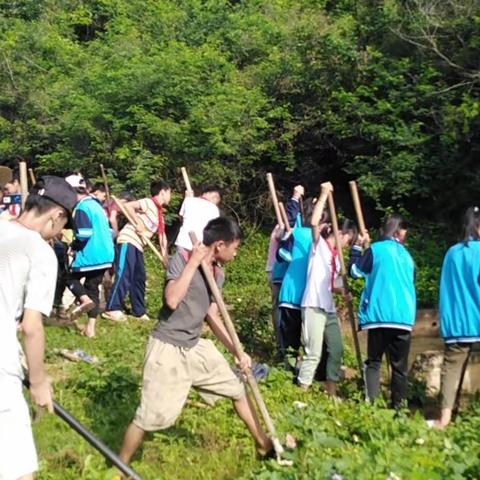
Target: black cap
[[58, 191]]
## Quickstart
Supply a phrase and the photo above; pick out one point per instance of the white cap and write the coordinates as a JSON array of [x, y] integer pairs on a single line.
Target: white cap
[[76, 181]]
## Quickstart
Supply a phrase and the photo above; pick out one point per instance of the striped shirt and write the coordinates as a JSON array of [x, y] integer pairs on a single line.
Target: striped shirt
[[148, 214]]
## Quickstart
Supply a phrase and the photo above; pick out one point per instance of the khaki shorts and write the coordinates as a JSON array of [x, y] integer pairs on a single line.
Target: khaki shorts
[[169, 372]]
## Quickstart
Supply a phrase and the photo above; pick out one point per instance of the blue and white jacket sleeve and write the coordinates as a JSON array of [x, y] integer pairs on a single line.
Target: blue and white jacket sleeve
[[83, 230], [360, 265], [292, 209], [285, 247]]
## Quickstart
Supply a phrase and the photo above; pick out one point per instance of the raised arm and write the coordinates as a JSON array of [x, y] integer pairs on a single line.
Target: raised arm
[[318, 211], [176, 289], [132, 208], [360, 264]]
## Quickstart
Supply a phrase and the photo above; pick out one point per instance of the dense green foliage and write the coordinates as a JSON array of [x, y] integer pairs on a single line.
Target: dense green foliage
[[352, 439], [384, 91]]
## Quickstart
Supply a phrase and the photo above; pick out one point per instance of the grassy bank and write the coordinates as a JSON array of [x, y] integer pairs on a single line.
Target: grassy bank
[[351, 439]]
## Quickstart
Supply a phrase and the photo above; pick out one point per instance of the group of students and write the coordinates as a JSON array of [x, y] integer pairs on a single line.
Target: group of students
[[176, 357], [303, 268], [103, 246]]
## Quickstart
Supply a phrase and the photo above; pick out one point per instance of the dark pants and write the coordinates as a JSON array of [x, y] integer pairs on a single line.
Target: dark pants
[[275, 289], [290, 330], [60, 250], [93, 279], [129, 278], [396, 343]]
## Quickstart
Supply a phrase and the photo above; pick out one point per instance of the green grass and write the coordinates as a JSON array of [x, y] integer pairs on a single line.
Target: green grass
[[354, 439]]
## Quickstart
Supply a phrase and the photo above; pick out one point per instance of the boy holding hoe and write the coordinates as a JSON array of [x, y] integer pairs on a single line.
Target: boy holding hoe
[[178, 359], [28, 273]]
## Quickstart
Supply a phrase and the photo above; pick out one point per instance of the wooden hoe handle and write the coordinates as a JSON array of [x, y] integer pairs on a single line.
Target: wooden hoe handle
[[23, 182], [273, 194], [283, 213], [343, 270], [186, 179], [358, 208], [105, 181], [135, 224]]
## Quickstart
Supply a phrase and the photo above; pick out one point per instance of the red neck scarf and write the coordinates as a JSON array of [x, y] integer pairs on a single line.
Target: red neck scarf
[[333, 251], [160, 223]]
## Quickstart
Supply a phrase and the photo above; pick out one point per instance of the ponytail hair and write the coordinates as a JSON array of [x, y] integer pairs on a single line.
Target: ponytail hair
[[392, 225], [327, 221], [349, 227], [308, 207], [471, 225]]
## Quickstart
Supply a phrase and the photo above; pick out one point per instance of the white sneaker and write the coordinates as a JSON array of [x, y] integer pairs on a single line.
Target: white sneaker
[[115, 315], [144, 318]]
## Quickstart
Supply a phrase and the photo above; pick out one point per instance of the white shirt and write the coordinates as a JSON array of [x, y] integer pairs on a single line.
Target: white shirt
[[196, 213], [28, 275], [321, 277]]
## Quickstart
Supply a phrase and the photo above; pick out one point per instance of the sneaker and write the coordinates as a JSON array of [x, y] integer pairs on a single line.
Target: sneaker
[[115, 316], [144, 318]]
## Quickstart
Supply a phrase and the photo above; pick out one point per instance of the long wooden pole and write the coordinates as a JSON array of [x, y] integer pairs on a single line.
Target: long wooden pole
[[33, 180], [23, 182], [343, 272], [134, 223], [105, 181], [186, 180], [358, 209], [284, 216], [239, 353], [273, 194]]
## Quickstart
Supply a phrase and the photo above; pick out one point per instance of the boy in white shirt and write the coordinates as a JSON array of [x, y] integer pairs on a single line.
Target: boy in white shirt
[[196, 212], [28, 274]]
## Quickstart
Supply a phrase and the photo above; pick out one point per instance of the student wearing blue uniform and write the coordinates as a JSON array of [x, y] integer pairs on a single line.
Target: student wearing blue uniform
[[294, 251], [459, 309], [387, 305], [93, 252], [276, 268]]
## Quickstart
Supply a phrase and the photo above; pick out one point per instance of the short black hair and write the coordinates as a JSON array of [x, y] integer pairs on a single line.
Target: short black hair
[[392, 224], [211, 188], [157, 186], [126, 195], [349, 226], [40, 204], [471, 225], [221, 228], [99, 187]]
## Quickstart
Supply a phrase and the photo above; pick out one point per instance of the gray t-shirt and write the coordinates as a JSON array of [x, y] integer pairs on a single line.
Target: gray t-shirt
[[183, 326]]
